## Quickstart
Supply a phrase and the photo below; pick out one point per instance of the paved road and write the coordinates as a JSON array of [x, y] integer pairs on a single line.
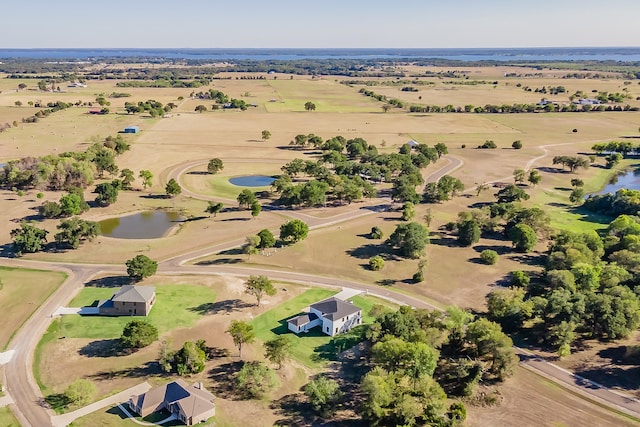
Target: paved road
[[21, 385]]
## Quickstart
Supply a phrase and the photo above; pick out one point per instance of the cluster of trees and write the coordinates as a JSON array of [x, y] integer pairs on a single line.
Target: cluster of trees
[[70, 204], [443, 189], [153, 107], [623, 147], [622, 202], [421, 358], [66, 170], [72, 232], [588, 289]]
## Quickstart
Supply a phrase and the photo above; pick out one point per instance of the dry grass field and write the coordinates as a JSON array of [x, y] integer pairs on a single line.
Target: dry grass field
[[453, 274], [21, 293]]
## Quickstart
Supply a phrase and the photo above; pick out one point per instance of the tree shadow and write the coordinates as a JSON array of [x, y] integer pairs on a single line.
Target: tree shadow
[[368, 250], [198, 173], [110, 282], [386, 282], [500, 249], [220, 261], [294, 410], [226, 306], [617, 355], [553, 170], [57, 401], [151, 368], [103, 348], [155, 196], [443, 239], [608, 376], [223, 378], [533, 258], [235, 219], [6, 251]]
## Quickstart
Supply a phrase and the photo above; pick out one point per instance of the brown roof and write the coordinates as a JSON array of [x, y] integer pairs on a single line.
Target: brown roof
[[193, 400], [334, 308], [132, 293]]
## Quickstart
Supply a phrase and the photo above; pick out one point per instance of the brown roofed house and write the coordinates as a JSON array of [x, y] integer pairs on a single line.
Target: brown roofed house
[[191, 404], [130, 300]]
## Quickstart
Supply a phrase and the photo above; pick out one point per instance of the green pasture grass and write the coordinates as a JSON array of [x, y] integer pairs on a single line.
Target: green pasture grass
[[176, 307], [22, 292], [328, 96], [7, 419]]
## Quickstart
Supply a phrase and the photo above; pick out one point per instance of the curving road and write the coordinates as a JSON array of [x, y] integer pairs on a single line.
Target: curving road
[[22, 387]]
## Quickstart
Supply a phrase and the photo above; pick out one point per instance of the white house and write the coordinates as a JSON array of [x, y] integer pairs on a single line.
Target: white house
[[333, 315]]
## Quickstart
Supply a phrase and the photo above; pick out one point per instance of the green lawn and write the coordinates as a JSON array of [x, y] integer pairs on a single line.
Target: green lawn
[[21, 293], [314, 348], [177, 306], [7, 419]]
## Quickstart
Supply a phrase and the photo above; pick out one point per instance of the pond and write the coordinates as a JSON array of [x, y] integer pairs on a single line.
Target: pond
[[141, 225], [629, 180], [252, 180]]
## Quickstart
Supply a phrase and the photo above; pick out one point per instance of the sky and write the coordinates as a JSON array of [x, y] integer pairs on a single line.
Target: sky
[[319, 24]]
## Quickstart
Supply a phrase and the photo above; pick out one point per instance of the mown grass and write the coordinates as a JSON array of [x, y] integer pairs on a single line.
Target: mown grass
[[177, 306], [7, 419], [21, 293], [313, 348]]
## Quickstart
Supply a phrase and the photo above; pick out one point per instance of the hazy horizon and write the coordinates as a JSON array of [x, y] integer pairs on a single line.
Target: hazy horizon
[[505, 24]]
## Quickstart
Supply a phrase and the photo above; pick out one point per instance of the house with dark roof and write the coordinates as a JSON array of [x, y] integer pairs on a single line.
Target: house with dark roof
[[333, 315], [130, 300], [191, 404]]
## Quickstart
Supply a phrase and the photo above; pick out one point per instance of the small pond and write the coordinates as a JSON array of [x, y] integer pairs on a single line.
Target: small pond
[[141, 225], [629, 180], [252, 180]]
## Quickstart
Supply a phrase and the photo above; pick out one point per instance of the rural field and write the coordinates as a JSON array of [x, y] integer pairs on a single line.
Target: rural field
[[339, 245]]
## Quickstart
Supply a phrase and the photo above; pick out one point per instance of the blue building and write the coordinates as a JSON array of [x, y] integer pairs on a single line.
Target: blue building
[[131, 129]]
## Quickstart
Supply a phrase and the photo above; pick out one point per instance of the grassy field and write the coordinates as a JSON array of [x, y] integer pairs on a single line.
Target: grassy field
[[219, 186], [7, 419], [314, 348], [22, 292], [176, 307]]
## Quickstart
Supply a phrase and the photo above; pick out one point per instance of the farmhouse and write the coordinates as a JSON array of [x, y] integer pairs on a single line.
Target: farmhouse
[[129, 301], [334, 315], [191, 404], [131, 129]]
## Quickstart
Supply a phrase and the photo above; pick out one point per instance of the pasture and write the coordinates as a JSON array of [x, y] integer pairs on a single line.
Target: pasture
[[21, 293]]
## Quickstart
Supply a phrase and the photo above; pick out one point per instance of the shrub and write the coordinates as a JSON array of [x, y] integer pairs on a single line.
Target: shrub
[[489, 256], [376, 233], [138, 334], [376, 263], [517, 144], [40, 195]]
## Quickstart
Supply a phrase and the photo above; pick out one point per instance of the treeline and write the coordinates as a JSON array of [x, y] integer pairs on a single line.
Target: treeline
[[622, 202], [588, 289], [162, 83], [518, 108], [398, 82], [382, 98]]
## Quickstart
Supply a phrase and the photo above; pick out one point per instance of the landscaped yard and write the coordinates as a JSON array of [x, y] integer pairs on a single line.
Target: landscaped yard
[[314, 348], [21, 293], [176, 307]]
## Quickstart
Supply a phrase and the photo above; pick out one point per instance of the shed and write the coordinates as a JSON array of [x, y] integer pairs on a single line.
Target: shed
[[131, 129]]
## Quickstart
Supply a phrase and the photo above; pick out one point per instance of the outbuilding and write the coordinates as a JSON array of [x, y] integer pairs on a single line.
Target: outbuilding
[[131, 129]]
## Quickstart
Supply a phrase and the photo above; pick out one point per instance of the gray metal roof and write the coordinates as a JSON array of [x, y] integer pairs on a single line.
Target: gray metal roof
[[334, 308], [131, 293], [303, 319]]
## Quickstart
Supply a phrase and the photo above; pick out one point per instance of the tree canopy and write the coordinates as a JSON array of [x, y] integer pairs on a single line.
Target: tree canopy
[[141, 266]]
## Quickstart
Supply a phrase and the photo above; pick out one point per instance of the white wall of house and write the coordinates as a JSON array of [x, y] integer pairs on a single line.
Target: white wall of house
[[341, 325]]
